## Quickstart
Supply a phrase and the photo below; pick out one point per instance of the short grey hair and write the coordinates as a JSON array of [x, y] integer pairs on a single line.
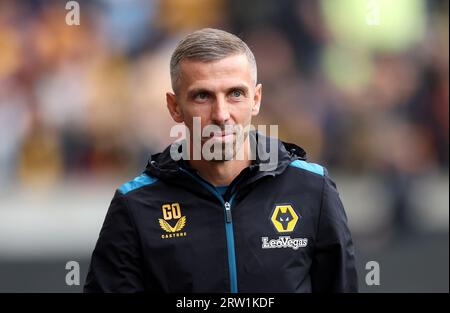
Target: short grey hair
[[209, 44]]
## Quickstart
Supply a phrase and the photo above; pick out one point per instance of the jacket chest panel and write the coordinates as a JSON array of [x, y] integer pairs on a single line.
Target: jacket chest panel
[[183, 241]]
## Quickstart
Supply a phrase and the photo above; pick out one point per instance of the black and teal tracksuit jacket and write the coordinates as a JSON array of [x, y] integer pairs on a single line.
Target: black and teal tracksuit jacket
[[170, 230]]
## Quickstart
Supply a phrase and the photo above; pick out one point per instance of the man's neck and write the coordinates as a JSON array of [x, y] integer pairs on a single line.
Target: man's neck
[[222, 173]]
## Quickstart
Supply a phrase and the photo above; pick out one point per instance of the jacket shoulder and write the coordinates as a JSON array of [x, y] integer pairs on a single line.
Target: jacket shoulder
[[309, 167], [138, 182]]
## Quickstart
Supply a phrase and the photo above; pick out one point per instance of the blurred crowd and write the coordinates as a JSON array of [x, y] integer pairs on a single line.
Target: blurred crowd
[[89, 100]]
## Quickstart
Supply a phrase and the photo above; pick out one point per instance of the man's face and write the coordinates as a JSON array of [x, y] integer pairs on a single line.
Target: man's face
[[220, 93]]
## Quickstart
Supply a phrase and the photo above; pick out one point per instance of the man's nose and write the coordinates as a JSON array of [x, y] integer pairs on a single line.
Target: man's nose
[[219, 112]]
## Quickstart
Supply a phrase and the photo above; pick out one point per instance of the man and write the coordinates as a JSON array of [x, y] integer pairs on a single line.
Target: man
[[233, 221]]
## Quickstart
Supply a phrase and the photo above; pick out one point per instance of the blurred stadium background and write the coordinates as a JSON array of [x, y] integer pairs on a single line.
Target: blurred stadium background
[[362, 85]]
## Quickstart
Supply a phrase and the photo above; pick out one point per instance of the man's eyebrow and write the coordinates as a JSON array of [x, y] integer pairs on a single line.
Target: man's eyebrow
[[195, 91], [244, 88]]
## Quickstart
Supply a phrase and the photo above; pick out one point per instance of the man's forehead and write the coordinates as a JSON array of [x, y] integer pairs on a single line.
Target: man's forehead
[[235, 66]]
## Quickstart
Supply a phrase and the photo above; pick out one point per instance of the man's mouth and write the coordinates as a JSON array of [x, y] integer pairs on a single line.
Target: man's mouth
[[223, 135]]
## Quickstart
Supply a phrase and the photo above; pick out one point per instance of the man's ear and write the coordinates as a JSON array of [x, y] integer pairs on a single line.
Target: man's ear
[[173, 107], [257, 100]]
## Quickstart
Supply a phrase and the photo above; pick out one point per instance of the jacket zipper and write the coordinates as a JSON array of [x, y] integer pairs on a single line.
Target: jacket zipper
[[227, 206], [230, 245], [228, 230]]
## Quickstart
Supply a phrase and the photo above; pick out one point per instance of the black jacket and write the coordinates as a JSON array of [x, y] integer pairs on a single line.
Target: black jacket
[[169, 230]]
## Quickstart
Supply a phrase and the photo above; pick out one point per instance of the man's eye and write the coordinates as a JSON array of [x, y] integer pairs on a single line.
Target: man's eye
[[201, 96], [236, 93]]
